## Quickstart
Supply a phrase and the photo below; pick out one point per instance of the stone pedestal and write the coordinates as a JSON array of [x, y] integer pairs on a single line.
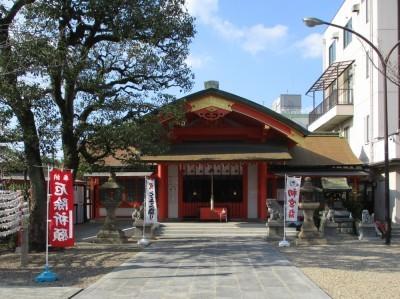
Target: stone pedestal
[[110, 233], [110, 197], [330, 230], [309, 235], [150, 230], [274, 229], [112, 236], [346, 226], [367, 232]]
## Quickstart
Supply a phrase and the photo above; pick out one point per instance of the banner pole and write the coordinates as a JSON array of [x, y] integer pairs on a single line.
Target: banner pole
[[144, 207], [284, 243], [47, 275], [284, 214], [143, 241], [47, 216]]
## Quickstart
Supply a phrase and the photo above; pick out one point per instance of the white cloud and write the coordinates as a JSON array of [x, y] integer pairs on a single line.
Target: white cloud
[[259, 37], [252, 39], [204, 10], [196, 61], [227, 30], [311, 45]]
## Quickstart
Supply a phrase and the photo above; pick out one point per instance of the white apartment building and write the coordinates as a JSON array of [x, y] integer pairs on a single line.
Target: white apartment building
[[352, 87], [290, 106]]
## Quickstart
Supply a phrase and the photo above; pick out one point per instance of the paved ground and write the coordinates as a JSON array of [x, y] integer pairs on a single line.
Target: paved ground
[[224, 267], [38, 292]]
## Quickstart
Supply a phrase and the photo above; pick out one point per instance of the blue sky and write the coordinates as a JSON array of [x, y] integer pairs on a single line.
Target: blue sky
[[258, 49]]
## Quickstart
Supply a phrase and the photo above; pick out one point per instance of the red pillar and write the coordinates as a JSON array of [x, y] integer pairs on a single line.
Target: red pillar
[[162, 176], [96, 197], [262, 190]]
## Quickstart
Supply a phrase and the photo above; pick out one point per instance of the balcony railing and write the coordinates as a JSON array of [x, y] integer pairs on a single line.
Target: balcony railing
[[337, 97]]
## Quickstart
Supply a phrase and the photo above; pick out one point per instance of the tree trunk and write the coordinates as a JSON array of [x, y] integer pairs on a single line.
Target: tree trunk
[[37, 181], [69, 143]]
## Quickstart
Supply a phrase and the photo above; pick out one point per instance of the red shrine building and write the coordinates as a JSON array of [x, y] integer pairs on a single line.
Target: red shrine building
[[235, 153]]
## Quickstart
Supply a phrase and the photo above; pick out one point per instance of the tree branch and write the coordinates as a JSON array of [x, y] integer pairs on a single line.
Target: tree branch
[[18, 5]]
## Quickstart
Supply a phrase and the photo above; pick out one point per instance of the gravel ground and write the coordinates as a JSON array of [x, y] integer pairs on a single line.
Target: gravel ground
[[350, 268], [345, 269], [79, 266]]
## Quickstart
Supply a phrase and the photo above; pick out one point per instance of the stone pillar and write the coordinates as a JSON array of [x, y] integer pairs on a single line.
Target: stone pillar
[[309, 234], [110, 196]]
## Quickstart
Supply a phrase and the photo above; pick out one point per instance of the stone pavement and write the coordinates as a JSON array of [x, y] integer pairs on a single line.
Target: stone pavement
[[38, 292], [223, 267]]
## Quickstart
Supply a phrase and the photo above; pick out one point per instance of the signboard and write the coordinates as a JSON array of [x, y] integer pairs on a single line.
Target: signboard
[[292, 192], [61, 208], [150, 215]]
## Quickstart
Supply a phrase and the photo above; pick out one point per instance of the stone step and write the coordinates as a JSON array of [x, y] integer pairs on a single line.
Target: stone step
[[212, 229]]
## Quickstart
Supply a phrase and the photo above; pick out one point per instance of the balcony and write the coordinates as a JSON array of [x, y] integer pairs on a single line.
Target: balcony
[[334, 109]]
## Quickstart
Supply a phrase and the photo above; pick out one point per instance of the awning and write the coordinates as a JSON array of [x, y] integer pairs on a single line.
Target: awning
[[335, 184], [221, 152], [331, 74], [322, 173]]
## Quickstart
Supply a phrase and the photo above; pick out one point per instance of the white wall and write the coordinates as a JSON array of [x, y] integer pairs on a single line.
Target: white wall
[[173, 191], [368, 91], [382, 30], [252, 191]]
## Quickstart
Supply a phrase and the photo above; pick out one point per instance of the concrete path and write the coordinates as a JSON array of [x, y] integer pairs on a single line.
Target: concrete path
[[206, 268], [38, 292]]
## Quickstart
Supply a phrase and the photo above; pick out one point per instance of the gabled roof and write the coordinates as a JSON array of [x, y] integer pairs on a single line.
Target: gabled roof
[[279, 117]]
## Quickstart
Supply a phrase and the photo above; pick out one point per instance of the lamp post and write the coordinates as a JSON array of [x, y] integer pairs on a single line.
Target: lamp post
[[311, 22]]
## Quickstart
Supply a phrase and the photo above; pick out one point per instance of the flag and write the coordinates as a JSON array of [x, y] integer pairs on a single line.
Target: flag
[[151, 214], [61, 208], [292, 194]]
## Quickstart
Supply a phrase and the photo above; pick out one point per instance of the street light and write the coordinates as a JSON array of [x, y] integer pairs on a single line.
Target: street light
[[311, 22]]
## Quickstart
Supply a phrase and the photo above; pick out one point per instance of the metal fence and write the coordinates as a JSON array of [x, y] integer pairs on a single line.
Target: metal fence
[[337, 97]]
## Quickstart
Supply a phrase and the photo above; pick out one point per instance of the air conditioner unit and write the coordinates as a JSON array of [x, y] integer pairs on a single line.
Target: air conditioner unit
[[335, 35], [356, 8]]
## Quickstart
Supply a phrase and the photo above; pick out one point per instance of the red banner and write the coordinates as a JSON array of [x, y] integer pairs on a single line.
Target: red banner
[[61, 209]]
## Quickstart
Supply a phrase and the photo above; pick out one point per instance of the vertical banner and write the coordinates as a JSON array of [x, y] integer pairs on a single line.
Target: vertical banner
[[292, 193], [151, 214], [61, 208]]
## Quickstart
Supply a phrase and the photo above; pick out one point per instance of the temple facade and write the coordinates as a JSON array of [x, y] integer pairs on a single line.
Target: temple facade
[[231, 154]]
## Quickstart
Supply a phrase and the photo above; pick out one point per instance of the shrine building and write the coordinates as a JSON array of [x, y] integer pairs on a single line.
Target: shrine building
[[235, 152]]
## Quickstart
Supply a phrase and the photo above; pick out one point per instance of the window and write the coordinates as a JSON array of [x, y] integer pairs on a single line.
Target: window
[[332, 53], [367, 64], [348, 83], [347, 36]]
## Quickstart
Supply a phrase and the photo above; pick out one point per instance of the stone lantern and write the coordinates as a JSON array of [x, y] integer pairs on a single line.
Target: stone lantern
[[110, 197], [309, 234]]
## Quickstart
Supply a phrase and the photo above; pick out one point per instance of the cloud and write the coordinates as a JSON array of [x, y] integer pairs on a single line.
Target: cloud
[[259, 37], [311, 45], [196, 61], [253, 39], [204, 10]]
